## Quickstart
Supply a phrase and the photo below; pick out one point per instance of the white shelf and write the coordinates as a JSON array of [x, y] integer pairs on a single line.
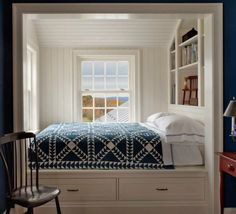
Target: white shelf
[[192, 66], [172, 52], [172, 70], [189, 41]]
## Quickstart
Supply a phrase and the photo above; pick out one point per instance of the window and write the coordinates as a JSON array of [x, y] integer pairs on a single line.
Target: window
[[106, 85], [30, 90], [105, 91]]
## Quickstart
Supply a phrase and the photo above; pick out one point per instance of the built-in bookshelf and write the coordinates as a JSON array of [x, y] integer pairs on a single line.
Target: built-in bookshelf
[[186, 62]]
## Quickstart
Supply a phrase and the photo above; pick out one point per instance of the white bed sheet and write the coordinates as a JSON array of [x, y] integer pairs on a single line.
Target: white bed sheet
[[179, 154]]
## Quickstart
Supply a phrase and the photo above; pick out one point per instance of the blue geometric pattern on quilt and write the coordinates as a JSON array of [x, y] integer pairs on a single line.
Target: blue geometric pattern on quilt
[[97, 146]]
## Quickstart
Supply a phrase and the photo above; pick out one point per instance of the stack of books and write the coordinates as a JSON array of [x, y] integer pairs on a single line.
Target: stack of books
[[189, 54]]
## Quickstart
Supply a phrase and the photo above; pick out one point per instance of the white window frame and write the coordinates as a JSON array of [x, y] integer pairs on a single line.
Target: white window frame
[[132, 56]]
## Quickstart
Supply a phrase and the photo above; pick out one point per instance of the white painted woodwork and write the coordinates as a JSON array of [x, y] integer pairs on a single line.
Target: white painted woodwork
[[56, 84], [162, 189], [91, 189], [137, 208], [211, 99], [128, 190], [200, 71], [74, 32], [31, 42], [213, 104], [32, 37]]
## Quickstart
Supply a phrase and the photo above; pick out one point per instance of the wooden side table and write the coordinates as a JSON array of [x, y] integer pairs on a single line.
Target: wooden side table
[[227, 165]]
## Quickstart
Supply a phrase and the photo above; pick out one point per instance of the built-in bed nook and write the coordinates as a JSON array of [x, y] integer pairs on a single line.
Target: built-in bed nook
[[120, 106]]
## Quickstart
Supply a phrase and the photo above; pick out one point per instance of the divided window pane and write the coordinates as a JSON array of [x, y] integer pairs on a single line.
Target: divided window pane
[[87, 68], [99, 83], [98, 68], [111, 68], [123, 68], [105, 91], [105, 108], [105, 75], [111, 83], [87, 83]]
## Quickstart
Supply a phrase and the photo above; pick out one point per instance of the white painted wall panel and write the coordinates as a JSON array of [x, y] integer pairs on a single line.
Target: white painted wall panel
[[55, 86], [56, 79], [153, 81]]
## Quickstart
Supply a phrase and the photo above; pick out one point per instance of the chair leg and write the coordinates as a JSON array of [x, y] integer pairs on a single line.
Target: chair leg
[[8, 210], [30, 211], [184, 97], [9, 206], [58, 205]]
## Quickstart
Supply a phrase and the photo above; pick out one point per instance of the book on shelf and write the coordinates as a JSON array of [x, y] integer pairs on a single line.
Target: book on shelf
[[184, 56], [172, 61], [189, 54], [173, 94], [194, 53]]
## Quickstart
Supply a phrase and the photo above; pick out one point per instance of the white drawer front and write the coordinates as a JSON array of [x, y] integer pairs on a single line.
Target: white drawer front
[[73, 190], [161, 189]]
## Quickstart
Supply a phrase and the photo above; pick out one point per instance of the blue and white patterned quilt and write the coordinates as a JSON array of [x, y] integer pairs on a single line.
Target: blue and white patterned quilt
[[98, 146]]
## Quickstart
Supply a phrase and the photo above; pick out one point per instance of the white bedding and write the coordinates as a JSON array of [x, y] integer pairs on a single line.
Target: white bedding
[[179, 154]]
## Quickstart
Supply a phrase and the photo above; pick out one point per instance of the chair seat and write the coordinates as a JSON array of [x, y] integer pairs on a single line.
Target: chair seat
[[33, 197]]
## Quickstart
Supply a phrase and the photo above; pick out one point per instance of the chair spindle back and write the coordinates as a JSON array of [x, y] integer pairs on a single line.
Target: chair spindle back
[[17, 168]]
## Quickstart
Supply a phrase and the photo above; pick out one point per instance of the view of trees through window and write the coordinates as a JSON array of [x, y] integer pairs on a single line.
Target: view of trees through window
[[105, 91]]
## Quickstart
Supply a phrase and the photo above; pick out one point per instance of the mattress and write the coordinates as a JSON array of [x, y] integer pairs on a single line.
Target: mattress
[[98, 146]]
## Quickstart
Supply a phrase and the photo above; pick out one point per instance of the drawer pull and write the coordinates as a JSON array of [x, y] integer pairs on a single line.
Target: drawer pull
[[230, 167], [72, 190], [162, 189]]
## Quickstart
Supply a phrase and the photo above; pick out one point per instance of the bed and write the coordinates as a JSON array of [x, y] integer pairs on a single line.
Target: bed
[[123, 167], [111, 146]]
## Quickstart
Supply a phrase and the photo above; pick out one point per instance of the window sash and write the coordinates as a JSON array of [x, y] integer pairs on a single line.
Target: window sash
[[105, 95], [131, 56], [105, 76], [117, 91]]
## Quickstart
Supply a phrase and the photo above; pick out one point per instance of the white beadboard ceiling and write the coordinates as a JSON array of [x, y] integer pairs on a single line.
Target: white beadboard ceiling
[[103, 32]]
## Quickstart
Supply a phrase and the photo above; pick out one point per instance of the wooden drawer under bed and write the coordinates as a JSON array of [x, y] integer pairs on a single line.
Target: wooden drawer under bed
[[162, 189], [73, 190]]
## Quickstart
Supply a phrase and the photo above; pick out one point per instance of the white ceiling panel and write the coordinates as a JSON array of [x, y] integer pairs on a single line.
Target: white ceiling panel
[[74, 32]]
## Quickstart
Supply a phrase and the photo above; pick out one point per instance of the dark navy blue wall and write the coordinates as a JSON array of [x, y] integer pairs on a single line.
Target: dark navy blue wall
[[229, 69], [2, 180]]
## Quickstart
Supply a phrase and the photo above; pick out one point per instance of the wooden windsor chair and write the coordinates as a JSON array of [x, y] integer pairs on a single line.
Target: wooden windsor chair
[[22, 186]]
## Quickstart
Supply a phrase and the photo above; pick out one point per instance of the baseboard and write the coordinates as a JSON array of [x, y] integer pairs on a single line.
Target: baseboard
[[125, 210], [229, 210]]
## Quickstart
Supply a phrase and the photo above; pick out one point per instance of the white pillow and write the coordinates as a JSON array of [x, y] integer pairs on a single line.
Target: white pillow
[[155, 116], [179, 129]]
